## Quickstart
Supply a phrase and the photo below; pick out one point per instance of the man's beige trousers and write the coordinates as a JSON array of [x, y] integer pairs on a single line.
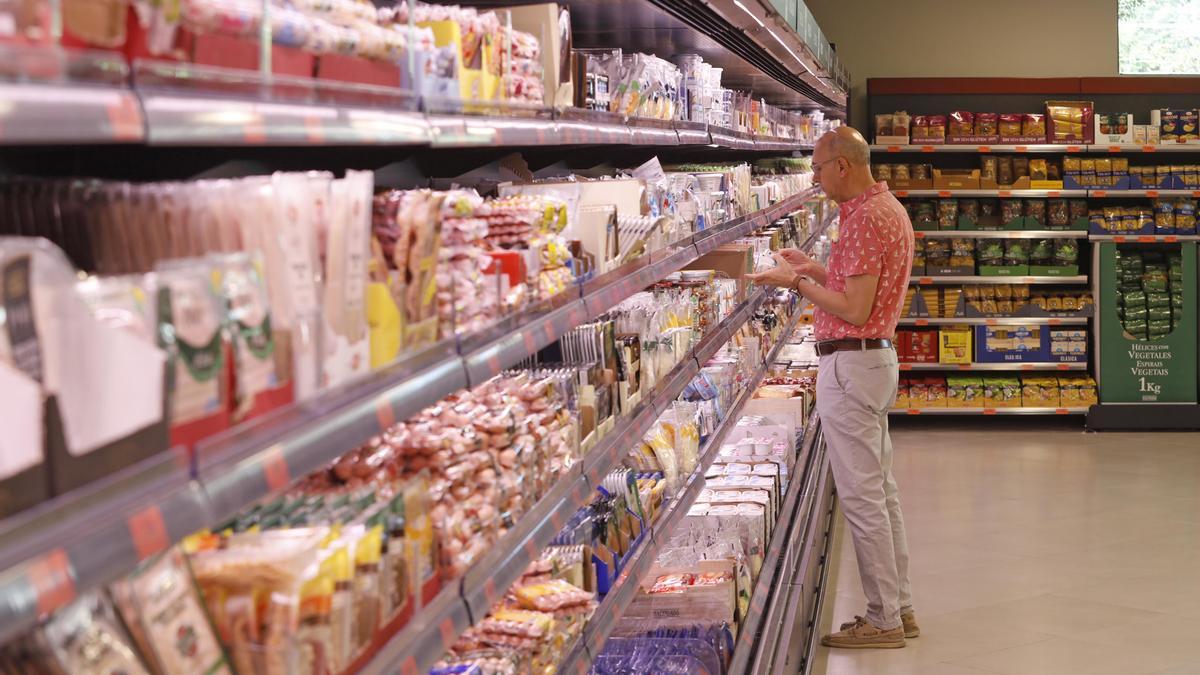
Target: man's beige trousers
[[854, 391]]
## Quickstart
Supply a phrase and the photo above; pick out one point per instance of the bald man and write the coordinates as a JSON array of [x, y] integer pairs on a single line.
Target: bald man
[[858, 300]]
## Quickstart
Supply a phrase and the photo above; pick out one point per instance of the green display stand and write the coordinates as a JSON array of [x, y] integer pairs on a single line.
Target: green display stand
[[1160, 370]]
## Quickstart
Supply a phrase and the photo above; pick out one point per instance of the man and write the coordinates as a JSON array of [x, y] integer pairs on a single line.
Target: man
[[858, 300]]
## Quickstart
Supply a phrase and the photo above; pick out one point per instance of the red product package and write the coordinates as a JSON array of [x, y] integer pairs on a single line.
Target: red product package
[[986, 124], [1010, 125], [962, 123], [924, 346], [920, 127], [937, 127]]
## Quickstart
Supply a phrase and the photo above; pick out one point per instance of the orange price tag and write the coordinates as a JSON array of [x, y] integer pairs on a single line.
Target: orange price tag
[[531, 550], [925, 281], [1021, 148], [1026, 366], [489, 591], [989, 411], [1114, 148], [913, 411], [52, 580], [905, 366], [1064, 366], [985, 148], [446, 628], [1006, 193], [1053, 193], [901, 193], [943, 193], [893, 148], [1196, 194], [148, 531], [255, 131], [1171, 239], [1074, 148], [1061, 411], [275, 468], [384, 414], [1151, 193], [125, 119], [313, 129], [991, 322], [1149, 148], [1055, 322], [922, 322], [964, 366], [530, 342], [1100, 193], [1120, 239], [918, 235], [1145, 239], [927, 148]]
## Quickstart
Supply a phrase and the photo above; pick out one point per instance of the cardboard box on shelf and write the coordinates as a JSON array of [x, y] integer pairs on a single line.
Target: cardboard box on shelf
[[550, 23], [1176, 125], [954, 345], [734, 261], [1114, 129], [956, 179]]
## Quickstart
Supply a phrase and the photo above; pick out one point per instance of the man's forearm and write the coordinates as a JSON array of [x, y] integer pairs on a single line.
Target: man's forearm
[[837, 304]]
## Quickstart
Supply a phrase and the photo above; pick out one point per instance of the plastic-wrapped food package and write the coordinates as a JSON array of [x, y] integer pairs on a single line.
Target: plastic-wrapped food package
[[87, 637], [160, 606], [190, 319], [248, 318]]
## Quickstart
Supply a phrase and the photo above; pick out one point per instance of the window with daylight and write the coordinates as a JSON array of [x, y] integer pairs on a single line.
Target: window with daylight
[[1158, 37]]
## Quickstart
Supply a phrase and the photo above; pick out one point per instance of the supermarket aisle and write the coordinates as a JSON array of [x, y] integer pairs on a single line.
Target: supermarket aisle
[[1039, 549]]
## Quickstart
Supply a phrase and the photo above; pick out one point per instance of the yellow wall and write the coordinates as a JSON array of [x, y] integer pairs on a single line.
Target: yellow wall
[[968, 38]]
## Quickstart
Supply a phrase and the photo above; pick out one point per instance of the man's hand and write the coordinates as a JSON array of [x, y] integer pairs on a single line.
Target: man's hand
[[803, 265], [781, 275]]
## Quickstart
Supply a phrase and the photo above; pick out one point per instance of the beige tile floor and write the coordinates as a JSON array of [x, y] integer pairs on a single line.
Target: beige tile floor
[[1039, 549]]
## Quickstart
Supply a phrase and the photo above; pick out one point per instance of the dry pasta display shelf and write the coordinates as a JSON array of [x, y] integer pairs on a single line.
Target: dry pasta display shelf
[[937, 281], [997, 321], [1000, 234], [988, 411], [992, 367]]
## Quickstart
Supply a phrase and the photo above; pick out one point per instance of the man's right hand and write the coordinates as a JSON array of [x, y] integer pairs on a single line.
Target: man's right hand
[[804, 265]]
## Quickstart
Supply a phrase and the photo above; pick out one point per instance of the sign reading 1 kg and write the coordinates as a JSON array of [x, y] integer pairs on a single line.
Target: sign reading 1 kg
[[1150, 388]]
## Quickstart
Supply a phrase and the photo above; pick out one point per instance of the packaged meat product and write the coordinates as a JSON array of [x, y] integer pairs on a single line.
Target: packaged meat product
[[191, 319], [248, 318]]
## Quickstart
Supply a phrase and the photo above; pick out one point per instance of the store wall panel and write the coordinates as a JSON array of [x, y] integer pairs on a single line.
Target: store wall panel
[[928, 38]]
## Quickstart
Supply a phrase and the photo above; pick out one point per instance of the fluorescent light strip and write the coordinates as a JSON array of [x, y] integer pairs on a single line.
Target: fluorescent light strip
[[789, 50], [747, 10]]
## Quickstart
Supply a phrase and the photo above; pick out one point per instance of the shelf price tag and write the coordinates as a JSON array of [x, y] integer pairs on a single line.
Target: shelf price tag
[[1149, 148], [384, 414], [52, 580], [1052, 193], [901, 193], [1120, 239], [928, 148], [1171, 239], [925, 281], [1055, 322], [489, 591], [314, 130], [1021, 148], [1026, 366], [912, 411], [255, 131], [1151, 193], [1146, 239], [905, 366], [991, 322], [124, 119], [918, 235], [1099, 193], [275, 468], [944, 193], [964, 366], [922, 322], [893, 148], [985, 148], [1114, 148], [1196, 194], [1074, 148], [1061, 411], [989, 411], [1006, 193], [148, 532], [1064, 366], [446, 628]]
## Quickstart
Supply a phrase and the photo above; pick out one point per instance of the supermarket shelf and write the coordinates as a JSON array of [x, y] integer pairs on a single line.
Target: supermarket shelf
[[959, 149], [434, 630], [1001, 234], [938, 281], [1147, 149], [997, 321], [779, 562], [1144, 238], [990, 193], [605, 619], [992, 367], [88, 539], [1038, 148], [170, 104], [1150, 193], [988, 411]]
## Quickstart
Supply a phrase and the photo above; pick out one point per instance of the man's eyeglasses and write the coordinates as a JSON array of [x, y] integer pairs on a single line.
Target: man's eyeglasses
[[817, 167]]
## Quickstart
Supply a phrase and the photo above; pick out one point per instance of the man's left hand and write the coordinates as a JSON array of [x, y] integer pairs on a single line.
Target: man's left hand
[[782, 275]]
